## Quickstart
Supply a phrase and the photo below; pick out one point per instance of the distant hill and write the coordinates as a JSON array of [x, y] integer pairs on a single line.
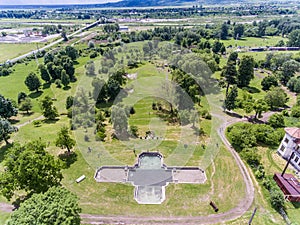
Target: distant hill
[[149, 3], [133, 3]]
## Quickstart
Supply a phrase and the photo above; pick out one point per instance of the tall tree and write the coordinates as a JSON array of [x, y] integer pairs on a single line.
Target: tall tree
[[64, 35], [5, 130], [238, 31], [7, 109], [55, 206], [230, 100], [33, 82], [72, 52], [26, 105], [224, 31], [276, 97], [69, 102], [65, 79], [49, 110], [262, 25], [29, 168], [294, 38], [245, 71], [44, 73], [120, 121], [232, 57], [259, 106], [230, 75], [21, 97], [64, 139], [289, 68]]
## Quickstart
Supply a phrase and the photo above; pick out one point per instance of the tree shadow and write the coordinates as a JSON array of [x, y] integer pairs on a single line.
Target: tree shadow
[[251, 90], [50, 121], [198, 131], [66, 88], [35, 94], [25, 114], [68, 158], [46, 85], [234, 114], [13, 121]]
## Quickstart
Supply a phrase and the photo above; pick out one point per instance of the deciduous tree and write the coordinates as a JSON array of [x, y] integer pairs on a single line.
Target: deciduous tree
[[268, 82], [6, 129], [294, 38], [55, 206], [49, 110], [276, 97], [44, 73], [26, 105], [33, 82], [29, 168], [64, 139], [65, 79], [7, 109]]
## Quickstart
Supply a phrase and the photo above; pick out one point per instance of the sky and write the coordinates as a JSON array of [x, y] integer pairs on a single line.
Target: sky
[[52, 2]]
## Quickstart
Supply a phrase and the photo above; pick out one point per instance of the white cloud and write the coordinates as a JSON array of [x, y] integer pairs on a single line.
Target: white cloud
[[53, 2]]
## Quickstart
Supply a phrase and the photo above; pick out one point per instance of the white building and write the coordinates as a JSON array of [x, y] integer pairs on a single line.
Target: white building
[[290, 144]]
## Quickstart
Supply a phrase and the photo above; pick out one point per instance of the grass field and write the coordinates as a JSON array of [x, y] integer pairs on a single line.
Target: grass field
[[254, 42], [116, 198], [224, 185], [4, 217], [10, 51]]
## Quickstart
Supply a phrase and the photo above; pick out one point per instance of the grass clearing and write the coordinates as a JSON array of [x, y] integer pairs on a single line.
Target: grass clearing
[[254, 41], [4, 216], [10, 51]]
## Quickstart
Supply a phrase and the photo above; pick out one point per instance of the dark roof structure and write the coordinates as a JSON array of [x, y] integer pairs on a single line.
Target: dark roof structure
[[289, 185]]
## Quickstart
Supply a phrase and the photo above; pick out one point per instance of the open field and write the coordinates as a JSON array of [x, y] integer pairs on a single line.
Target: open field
[[9, 51], [254, 42]]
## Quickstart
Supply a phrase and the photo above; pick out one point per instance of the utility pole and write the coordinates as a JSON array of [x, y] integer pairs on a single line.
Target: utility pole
[[287, 164]]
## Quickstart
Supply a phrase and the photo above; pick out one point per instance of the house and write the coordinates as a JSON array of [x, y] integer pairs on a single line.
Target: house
[[290, 144]]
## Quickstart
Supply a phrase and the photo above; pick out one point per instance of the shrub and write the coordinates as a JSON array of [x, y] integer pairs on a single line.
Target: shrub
[[276, 120], [100, 136], [134, 131], [37, 123], [295, 112]]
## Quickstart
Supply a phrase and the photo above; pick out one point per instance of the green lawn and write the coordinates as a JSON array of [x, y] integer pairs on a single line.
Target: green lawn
[[4, 217], [254, 42], [10, 51]]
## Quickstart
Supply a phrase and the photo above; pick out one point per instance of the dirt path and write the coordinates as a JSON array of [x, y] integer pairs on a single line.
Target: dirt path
[[29, 121]]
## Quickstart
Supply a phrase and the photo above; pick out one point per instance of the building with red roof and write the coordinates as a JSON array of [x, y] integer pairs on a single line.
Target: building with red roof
[[289, 185]]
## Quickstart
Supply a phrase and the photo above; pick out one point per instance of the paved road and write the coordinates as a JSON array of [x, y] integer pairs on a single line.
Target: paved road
[[14, 60]]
